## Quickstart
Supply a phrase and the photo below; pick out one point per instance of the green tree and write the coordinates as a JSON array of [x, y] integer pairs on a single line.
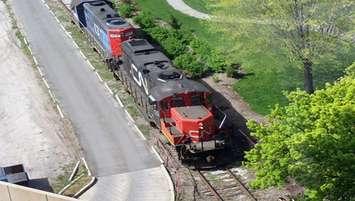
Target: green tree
[[312, 140], [308, 31]]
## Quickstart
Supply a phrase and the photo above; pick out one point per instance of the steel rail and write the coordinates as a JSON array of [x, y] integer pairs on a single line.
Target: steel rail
[[243, 187], [211, 188]]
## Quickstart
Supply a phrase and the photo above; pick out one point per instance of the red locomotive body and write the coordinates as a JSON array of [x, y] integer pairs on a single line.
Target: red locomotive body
[[117, 37]]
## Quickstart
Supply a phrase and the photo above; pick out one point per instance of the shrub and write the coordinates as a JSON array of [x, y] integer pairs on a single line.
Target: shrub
[[173, 46], [174, 23], [144, 20], [126, 9], [191, 65]]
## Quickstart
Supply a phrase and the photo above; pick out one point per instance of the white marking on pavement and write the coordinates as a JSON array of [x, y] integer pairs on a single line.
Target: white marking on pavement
[[75, 170], [40, 71], [68, 34], [171, 184], [52, 13], [108, 88], [139, 132], [61, 26], [52, 96], [86, 166], [156, 153], [25, 40], [129, 116], [119, 101], [29, 49], [98, 75], [82, 54], [60, 111], [90, 65], [35, 60], [45, 83], [76, 45]]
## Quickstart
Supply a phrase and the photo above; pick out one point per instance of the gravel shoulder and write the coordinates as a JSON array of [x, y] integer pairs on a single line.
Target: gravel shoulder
[[32, 132]]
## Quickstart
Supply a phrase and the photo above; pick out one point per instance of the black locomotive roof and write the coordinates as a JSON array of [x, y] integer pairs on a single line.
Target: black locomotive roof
[[75, 3], [164, 80], [159, 92], [107, 17]]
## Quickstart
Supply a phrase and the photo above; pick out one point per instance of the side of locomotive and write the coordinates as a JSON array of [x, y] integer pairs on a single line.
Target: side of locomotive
[[103, 26], [181, 108]]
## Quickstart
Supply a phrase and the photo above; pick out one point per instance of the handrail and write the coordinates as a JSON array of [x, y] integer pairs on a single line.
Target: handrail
[[224, 118]]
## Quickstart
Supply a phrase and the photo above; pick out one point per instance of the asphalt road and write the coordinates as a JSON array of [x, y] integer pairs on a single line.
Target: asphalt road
[[110, 144]]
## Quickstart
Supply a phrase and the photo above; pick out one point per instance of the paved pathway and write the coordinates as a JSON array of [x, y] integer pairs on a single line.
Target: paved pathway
[[109, 141], [181, 6], [128, 186]]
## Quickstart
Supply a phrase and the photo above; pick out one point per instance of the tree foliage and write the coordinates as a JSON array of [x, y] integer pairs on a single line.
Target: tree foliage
[[309, 31], [312, 140]]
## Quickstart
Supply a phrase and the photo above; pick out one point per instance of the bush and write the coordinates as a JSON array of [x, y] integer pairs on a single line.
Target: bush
[[191, 65], [174, 23], [144, 20], [126, 9], [173, 46]]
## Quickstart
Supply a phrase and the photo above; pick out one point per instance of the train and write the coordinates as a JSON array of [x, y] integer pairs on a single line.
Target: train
[[181, 108]]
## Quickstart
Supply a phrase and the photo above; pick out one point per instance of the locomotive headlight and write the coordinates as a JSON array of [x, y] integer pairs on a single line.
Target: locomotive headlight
[[200, 126]]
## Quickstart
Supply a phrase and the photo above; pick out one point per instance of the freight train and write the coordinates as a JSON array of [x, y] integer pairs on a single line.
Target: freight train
[[179, 107]]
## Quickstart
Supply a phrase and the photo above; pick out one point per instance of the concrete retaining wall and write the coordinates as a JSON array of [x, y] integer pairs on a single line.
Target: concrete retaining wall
[[12, 192]]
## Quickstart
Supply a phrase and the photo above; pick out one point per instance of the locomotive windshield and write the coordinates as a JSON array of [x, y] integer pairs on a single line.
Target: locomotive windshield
[[177, 102], [196, 100]]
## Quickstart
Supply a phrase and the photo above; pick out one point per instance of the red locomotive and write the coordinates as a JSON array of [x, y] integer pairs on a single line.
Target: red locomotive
[[180, 107]]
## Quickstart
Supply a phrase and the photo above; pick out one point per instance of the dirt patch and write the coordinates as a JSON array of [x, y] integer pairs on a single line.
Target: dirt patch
[[32, 132]]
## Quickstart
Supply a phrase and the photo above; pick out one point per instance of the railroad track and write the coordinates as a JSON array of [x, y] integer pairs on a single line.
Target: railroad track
[[224, 185]]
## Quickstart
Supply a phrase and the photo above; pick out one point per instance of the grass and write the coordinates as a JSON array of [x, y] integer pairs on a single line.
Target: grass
[[200, 5], [82, 179], [62, 180], [268, 76]]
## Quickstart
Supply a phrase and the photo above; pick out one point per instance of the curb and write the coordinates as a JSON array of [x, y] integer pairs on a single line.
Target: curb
[[85, 188], [75, 170], [86, 166], [171, 184], [69, 185]]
